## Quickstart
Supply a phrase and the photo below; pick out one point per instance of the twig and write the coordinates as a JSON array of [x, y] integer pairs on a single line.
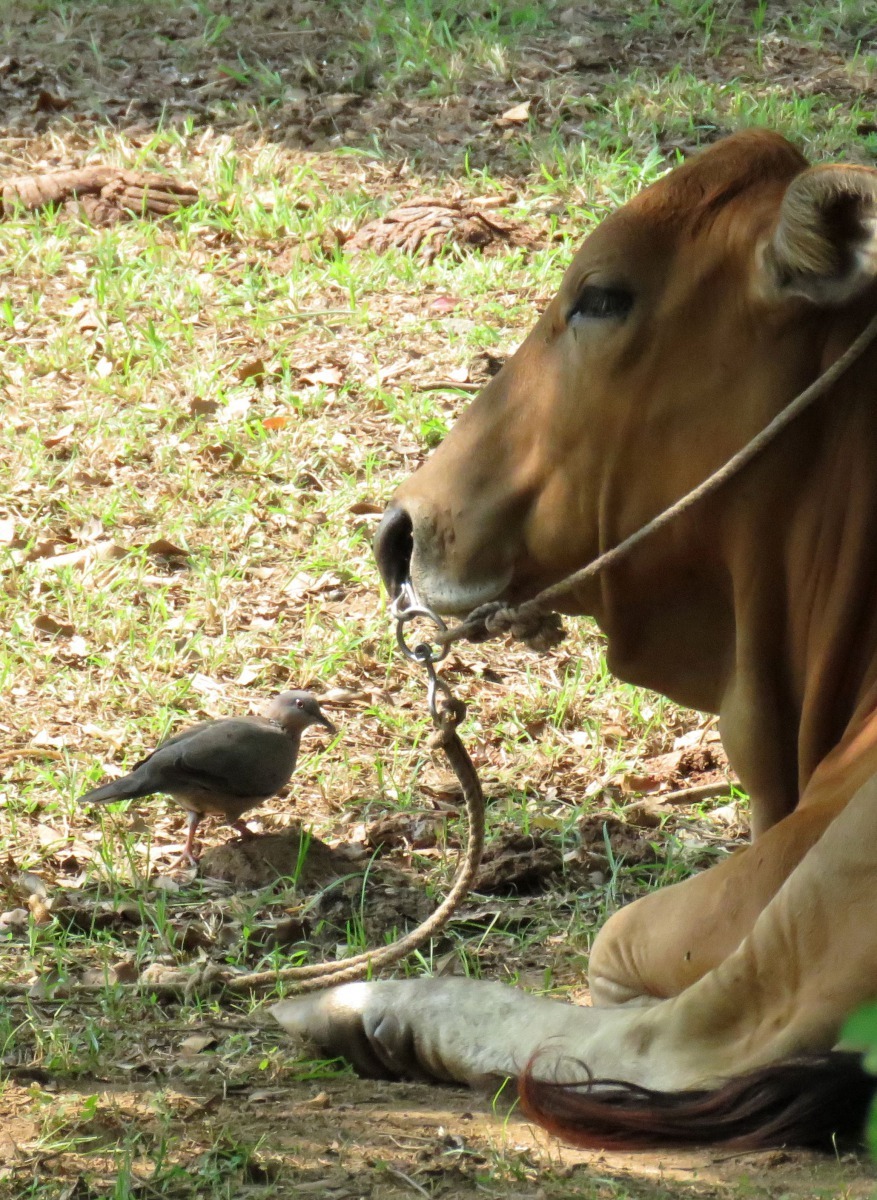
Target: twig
[[448, 385], [403, 1178], [693, 795], [305, 314], [31, 752], [19, 993]]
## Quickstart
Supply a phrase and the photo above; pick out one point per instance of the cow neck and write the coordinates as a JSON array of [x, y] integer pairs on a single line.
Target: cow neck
[[805, 650], [831, 568], [772, 620]]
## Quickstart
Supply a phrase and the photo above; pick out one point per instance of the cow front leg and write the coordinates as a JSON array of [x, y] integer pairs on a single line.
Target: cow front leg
[[456, 1030], [661, 944]]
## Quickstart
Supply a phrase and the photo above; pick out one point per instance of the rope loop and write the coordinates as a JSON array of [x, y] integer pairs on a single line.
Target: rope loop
[[526, 623], [539, 630]]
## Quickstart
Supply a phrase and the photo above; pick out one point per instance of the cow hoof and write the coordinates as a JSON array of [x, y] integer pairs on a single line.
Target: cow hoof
[[449, 1030], [355, 1022]]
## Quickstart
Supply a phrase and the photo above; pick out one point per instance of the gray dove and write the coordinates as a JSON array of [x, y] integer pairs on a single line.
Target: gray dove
[[222, 767]]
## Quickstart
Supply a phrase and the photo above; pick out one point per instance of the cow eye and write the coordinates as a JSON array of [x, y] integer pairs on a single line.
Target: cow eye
[[601, 303]]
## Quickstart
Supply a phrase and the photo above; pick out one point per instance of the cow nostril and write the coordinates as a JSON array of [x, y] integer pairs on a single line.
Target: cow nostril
[[393, 547]]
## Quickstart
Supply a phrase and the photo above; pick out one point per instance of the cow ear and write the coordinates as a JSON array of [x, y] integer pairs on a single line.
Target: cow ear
[[824, 247]]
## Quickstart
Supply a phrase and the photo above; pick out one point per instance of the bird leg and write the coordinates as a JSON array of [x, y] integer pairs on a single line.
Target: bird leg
[[192, 823], [243, 829]]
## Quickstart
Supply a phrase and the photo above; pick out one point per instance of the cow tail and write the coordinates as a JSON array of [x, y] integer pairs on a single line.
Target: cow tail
[[821, 1102]]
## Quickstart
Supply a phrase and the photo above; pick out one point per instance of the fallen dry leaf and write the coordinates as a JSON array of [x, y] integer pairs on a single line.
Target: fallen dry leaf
[[518, 115], [114, 736], [125, 971], [444, 304], [50, 837], [393, 370], [201, 406], [59, 438], [49, 102], [249, 674], [33, 884], [631, 782], [254, 369], [43, 738], [99, 552], [223, 452], [46, 624], [164, 883], [77, 647], [162, 548], [205, 686], [47, 548], [196, 1043], [44, 986], [340, 100], [330, 376], [93, 977], [613, 733], [164, 975], [15, 919], [686, 741], [275, 422]]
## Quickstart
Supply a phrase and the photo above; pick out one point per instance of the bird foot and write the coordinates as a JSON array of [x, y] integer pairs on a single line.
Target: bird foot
[[187, 859]]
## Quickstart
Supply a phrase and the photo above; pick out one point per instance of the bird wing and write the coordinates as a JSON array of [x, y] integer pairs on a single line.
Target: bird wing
[[182, 736], [237, 757]]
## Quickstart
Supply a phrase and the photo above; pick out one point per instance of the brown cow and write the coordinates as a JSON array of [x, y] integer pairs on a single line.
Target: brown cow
[[688, 319]]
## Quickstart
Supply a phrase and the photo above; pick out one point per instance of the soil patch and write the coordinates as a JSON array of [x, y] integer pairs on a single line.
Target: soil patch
[[345, 1139]]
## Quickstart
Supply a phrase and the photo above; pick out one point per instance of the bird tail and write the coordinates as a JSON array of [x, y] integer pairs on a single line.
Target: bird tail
[[126, 788]]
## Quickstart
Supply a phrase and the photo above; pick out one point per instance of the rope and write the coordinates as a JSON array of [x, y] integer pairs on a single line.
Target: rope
[[537, 623], [347, 970], [448, 712]]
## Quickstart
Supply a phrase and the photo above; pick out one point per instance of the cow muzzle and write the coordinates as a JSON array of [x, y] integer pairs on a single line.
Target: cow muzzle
[[448, 572]]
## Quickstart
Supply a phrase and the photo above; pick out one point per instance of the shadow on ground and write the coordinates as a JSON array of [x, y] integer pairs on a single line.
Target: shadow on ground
[[427, 82]]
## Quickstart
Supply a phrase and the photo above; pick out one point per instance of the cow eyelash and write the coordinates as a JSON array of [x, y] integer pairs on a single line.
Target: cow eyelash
[[601, 303]]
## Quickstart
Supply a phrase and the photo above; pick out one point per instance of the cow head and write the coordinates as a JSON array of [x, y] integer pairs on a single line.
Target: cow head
[[686, 320]]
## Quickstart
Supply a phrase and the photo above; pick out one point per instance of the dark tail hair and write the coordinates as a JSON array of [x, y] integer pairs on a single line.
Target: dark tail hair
[[819, 1102]]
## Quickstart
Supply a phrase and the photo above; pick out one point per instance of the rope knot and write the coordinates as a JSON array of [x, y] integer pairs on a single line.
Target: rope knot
[[538, 630], [449, 712]]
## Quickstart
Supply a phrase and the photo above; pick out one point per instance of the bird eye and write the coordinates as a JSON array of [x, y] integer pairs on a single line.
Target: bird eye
[[600, 304], [299, 704]]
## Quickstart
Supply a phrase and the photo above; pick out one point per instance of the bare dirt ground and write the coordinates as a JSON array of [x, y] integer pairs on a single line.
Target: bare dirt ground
[[204, 418], [354, 1138]]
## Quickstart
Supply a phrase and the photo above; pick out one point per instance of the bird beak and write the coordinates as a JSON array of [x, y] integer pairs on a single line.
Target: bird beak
[[324, 720]]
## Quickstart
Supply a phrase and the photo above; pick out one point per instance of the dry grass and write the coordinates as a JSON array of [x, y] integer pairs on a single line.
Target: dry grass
[[204, 418]]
